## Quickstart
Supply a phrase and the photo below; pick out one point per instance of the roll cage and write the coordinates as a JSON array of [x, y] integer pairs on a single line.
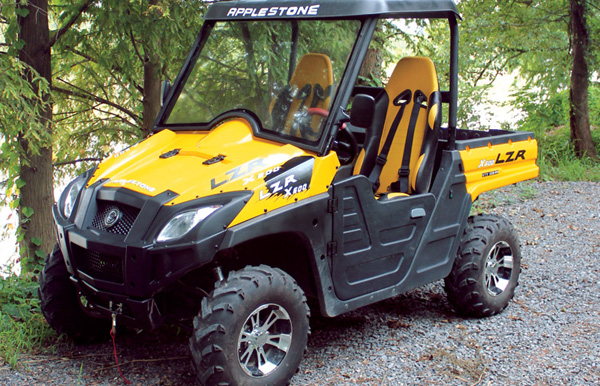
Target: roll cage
[[368, 12]]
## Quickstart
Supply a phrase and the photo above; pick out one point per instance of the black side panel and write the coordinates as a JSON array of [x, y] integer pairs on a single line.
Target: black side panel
[[440, 242], [386, 248], [376, 241]]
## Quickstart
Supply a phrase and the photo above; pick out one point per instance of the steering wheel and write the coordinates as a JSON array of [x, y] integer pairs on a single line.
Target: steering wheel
[[345, 144], [303, 123]]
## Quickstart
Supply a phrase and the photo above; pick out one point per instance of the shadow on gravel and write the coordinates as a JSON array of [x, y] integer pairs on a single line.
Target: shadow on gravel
[[159, 357], [162, 357], [427, 304]]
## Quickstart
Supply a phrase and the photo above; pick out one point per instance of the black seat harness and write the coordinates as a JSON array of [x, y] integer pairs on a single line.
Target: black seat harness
[[402, 100], [283, 103]]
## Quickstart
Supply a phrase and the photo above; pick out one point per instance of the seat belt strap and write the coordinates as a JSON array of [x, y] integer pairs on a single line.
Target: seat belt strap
[[420, 100], [401, 100]]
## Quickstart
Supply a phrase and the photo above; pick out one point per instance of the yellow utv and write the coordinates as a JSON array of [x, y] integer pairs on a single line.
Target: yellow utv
[[273, 176]]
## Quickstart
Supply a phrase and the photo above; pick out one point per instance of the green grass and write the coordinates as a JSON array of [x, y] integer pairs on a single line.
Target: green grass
[[548, 118], [23, 329], [557, 160]]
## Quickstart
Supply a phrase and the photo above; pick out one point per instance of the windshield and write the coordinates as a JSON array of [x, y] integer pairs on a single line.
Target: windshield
[[285, 72]]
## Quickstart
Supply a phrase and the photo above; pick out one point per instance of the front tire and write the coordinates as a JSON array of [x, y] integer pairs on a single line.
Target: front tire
[[252, 329], [60, 304], [486, 270]]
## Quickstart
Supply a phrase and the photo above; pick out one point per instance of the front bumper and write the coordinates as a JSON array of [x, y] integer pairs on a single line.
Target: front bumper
[[123, 265]]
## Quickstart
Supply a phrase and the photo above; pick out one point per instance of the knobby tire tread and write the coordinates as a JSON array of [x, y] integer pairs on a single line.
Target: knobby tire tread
[[462, 285], [210, 360], [60, 305]]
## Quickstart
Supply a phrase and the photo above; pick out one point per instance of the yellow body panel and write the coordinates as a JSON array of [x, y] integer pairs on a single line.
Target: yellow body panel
[[263, 201], [493, 166], [244, 163]]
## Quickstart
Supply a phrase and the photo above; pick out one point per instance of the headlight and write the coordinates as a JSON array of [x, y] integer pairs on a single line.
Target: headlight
[[181, 224], [71, 194]]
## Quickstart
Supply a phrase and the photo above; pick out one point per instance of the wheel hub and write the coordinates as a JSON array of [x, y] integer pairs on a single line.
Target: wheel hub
[[264, 341], [498, 268], [258, 338]]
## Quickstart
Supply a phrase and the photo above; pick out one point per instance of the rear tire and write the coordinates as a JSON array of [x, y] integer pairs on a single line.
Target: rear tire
[[486, 271], [252, 329], [61, 306]]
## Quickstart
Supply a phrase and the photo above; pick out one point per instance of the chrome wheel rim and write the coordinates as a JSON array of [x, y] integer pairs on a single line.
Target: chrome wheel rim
[[499, 266], [265, 340]]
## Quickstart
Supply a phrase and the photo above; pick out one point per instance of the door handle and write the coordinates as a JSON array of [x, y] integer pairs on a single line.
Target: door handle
[[417, 213]]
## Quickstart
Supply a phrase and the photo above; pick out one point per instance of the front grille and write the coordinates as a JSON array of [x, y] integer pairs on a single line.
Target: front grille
[[99, 265], [128, 214]]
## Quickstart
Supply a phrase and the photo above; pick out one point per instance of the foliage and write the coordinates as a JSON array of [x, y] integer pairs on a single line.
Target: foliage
[[23, 329], [100, 52], [548, 119], [21, 102], [499, 37], [99, 64]]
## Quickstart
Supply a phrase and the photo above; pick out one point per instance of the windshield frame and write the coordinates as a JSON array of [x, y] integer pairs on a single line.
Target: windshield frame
[[317, 146]]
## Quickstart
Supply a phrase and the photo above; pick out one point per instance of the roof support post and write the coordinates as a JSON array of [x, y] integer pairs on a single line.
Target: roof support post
[[453, 83]]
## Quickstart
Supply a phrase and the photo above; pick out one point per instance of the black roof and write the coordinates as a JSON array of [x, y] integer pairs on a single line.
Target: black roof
[[298, 9]]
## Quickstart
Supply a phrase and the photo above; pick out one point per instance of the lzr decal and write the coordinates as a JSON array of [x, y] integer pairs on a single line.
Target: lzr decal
[[509, 156], [292, 178], [238, 172]]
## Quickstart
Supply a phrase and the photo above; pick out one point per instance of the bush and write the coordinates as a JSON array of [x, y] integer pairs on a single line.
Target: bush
[[549, 120], [23, 329]]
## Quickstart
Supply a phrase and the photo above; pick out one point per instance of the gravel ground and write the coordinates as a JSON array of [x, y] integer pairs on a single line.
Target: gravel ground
[[549, 334]]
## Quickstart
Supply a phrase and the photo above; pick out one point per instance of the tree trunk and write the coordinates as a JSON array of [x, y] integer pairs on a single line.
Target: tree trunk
[[579, 114], [36, 164], [371, 71], [151, 101], [152, 97]]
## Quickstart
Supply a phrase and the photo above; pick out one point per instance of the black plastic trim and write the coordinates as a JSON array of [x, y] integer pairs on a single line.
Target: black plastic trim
[[63, 195], [331, 9]]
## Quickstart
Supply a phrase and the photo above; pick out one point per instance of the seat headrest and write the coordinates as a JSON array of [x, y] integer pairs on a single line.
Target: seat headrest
[[413, 73], [313, 69]]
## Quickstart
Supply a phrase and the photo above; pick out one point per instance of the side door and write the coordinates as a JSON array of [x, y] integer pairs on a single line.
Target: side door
[[374, 242]]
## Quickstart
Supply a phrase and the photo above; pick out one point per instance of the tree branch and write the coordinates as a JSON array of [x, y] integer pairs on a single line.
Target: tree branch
[[60, 32], [591, 4], [135, 47], [91, 97], [76, 161], [117, 116], [484, 70], [82, 54]]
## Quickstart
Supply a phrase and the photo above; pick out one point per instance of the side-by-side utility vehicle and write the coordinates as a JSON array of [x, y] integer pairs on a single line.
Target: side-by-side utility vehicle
[[274, 179]]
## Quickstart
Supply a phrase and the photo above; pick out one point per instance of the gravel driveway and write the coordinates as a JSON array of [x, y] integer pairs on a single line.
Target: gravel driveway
[[549, 334]]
